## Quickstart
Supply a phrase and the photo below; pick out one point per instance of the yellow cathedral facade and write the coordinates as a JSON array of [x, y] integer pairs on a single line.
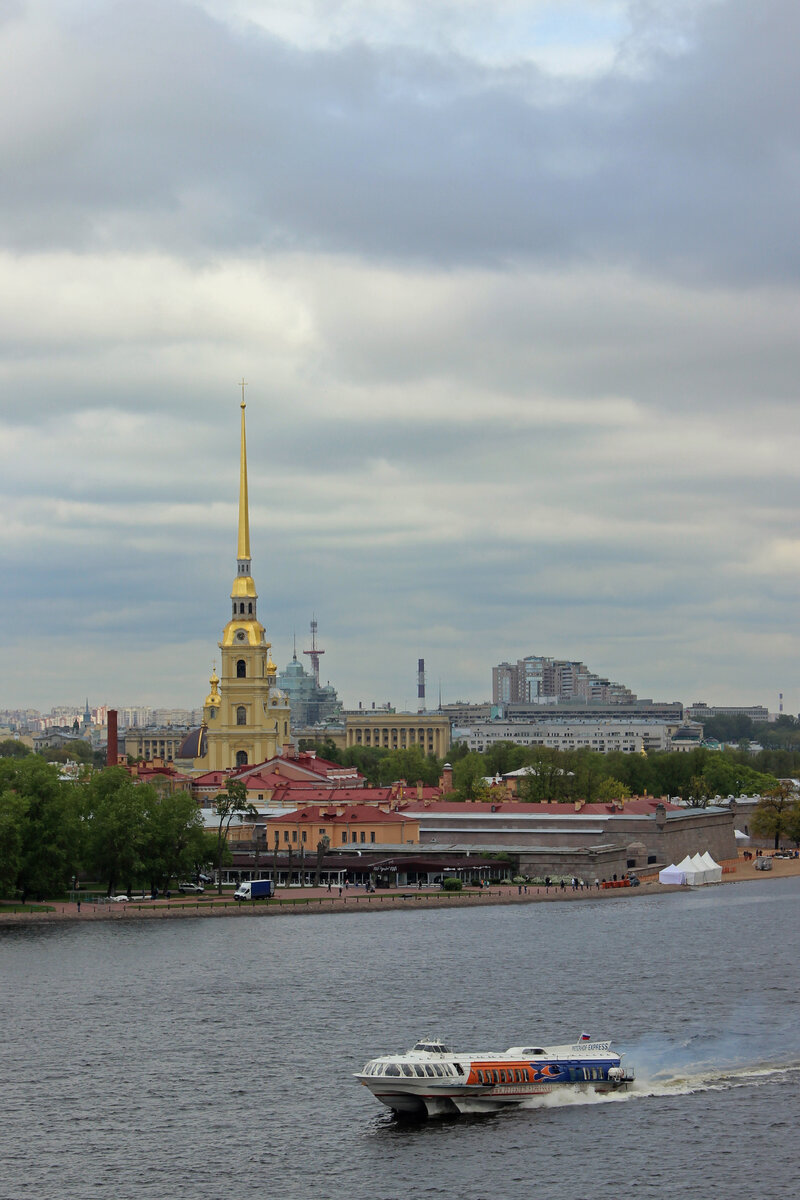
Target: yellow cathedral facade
[[246, 718]]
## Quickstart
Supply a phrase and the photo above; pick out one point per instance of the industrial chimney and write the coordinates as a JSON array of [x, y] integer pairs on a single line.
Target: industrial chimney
[[421, 685], [112, 752]]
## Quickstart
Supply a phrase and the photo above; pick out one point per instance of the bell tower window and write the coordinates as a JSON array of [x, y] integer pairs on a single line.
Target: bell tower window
[[241, 669], [241, 758], [241, 715]]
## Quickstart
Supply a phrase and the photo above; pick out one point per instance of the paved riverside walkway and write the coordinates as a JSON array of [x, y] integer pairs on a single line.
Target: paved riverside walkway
[[297, 901]]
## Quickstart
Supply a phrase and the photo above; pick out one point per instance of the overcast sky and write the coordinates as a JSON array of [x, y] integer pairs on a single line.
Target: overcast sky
[[514, 285]]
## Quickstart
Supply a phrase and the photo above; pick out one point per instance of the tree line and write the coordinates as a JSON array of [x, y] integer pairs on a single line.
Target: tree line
[[112, 829], [106, 827], [694, 777]]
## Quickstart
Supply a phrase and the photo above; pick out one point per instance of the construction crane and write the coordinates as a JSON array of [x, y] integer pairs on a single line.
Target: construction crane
[[314, 653]]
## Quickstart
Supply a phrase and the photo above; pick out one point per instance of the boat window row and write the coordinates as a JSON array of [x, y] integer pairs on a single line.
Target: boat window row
[[509, 1075], [412, 1070]]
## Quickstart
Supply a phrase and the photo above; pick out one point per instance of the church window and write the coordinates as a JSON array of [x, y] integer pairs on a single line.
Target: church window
[[241, 669], [241, 715], [250, 607], [241, 758]]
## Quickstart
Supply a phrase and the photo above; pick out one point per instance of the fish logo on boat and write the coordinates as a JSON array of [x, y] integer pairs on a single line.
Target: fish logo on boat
[[551, 1071]]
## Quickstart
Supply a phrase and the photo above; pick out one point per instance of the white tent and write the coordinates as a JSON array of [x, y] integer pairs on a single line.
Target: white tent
[[671, 874], [703, 875], [741, 836], [694, 876], [713, 869]]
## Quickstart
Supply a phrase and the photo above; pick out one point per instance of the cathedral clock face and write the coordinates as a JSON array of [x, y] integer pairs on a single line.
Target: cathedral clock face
[[241, 636]]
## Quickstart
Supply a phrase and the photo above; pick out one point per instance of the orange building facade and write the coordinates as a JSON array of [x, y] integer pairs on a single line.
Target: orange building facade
[[344, 825]]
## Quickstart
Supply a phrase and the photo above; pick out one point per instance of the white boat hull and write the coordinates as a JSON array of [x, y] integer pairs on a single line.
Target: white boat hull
[[432, 1081]]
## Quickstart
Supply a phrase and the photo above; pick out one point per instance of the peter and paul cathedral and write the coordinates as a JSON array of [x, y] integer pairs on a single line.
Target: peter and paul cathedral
[[246, 718]]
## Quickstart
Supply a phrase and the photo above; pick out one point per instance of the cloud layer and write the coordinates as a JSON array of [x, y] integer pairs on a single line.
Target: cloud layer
[[516, 298]]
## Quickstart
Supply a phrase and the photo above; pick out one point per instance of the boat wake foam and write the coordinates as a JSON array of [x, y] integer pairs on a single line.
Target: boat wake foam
[[666, 1084]]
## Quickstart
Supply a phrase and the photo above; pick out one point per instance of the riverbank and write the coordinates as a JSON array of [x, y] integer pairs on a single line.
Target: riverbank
[[294, 901]]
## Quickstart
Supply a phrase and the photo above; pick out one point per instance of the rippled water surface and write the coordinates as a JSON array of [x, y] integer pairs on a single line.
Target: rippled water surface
[[213, 1059]]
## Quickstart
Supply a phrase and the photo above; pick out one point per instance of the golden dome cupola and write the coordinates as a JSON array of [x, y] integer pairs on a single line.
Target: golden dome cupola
[[213, 699]]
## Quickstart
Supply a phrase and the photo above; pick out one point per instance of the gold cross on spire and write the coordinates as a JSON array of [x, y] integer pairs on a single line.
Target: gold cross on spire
[[242, 384]]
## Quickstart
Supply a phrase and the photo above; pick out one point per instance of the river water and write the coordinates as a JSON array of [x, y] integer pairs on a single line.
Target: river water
[[210, 1059]]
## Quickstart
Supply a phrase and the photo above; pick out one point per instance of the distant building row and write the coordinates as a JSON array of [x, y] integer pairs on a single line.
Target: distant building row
[[539, 679]]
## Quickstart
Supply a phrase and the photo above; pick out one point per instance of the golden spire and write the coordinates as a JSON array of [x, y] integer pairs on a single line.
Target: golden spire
[[244, 515]]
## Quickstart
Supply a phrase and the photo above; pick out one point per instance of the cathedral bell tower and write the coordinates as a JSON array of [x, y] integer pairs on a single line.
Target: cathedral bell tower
[[248, 718]]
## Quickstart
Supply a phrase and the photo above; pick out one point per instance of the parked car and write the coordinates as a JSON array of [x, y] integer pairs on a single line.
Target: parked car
[[190, 888], [201, 878], [120, 899]]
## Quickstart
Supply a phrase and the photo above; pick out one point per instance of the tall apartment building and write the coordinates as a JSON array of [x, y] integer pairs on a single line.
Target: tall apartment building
[[539, 679]]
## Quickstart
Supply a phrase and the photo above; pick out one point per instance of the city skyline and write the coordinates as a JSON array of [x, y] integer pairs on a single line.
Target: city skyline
[[514, 288]]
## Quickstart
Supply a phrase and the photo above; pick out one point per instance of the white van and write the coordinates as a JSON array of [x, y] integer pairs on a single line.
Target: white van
[[254, 889]]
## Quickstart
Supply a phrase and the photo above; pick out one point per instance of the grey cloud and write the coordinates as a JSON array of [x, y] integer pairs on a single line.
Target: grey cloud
[[157, 126]]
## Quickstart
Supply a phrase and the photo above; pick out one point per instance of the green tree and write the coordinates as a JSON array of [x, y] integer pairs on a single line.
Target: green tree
[[76, 750], [174, 844], [367, 760], [326, 748], [792, 823], [503, 757], [12, 822], [457, 751], [410, 764], [730, 774], [730, 728], [634, 770], [116, 815], [231, 803], [469, 778], [48, 848], [611, 789], [698, 792], [772, 816], [547, 778], [672, 773], [11, 748], [588, 770]]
